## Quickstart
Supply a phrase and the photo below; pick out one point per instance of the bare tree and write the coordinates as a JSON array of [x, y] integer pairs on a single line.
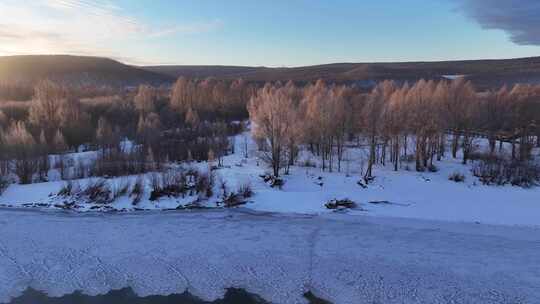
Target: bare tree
[[192, 118], [75, 123], [22, 147], [372, 120], [182, 95], [145, 100], [271, 122], [45, 109]]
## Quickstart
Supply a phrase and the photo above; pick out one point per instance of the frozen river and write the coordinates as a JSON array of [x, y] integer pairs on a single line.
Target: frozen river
[[345, 259]]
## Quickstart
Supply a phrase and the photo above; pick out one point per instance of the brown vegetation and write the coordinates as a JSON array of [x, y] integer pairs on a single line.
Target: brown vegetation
[[194, 120], [184, 123], [391, 119]]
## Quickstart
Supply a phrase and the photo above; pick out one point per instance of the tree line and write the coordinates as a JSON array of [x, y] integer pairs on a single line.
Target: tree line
[[395, 122], [188, 121], [195, 119]]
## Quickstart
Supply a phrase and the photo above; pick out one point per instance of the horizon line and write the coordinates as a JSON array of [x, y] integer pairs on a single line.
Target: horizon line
[[126, 61]]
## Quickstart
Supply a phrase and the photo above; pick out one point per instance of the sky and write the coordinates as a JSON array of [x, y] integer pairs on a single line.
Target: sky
[[271, 33]]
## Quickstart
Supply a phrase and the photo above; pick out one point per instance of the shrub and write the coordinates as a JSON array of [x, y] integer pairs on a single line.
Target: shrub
[[176, 182], [457, 177], [340, 204], [223, 187], [272, 180], [482, 156], [501, 172], [113, 162], [82, 169], [4, 184], [98, 191], [168, 190], [25, 169], [137, 190], [171, 183], [121, 187], [409, 158], [432, 168], [232, 199], [245, 190], [66, 190], [205, 184], [308, 163], [362, 184], [156, 181]]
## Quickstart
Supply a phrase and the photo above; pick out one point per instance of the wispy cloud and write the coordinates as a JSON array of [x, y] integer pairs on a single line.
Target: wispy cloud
[[94, 27], [16, 33], [519, 18], [105, 12], [195, 28]]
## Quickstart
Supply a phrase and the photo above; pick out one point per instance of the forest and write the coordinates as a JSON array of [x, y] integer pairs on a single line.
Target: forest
[[403, 125], [400, 122]]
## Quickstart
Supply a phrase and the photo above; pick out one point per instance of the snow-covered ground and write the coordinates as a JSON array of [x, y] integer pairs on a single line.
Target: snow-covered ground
[[409, 194], [432, 241], [279, 257]]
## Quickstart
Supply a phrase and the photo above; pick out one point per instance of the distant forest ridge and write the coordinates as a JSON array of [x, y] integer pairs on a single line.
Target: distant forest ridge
[[76, 71], [485, 74], [81, 71]]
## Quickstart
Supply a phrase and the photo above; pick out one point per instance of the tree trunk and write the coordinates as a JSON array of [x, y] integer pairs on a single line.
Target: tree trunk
[[418, 156], [396, 153], [442, 147], [405, 145], [455, 144], [383, 154], [492, 143], [513, 148], [369, 173], [466, 147]]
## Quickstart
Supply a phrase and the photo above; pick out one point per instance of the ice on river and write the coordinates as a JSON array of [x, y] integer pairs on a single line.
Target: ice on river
[[279, 257]]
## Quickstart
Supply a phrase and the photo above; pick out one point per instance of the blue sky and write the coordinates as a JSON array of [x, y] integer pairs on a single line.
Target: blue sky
[[270, 33]]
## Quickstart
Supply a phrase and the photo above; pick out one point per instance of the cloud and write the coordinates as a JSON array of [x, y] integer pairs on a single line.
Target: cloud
[[16, 33], [104, 12], [195, 28], [16, 39], [519, 18], [80, 27]]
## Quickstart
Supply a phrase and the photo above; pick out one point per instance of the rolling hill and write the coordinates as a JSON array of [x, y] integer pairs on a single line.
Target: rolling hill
[[484, 73], [85, 71], [76, 71]]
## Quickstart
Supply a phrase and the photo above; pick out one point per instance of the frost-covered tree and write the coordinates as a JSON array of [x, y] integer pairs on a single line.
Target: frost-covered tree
[[145, 100], [372, 120], [75, 124], [59, 142], [192, 118], [21, 147], [45, 108], [269, 113]]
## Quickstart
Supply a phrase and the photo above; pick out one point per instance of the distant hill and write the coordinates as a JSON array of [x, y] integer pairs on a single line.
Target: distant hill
[[484, 73], [95, 71], [204, 71], [76, 71]]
